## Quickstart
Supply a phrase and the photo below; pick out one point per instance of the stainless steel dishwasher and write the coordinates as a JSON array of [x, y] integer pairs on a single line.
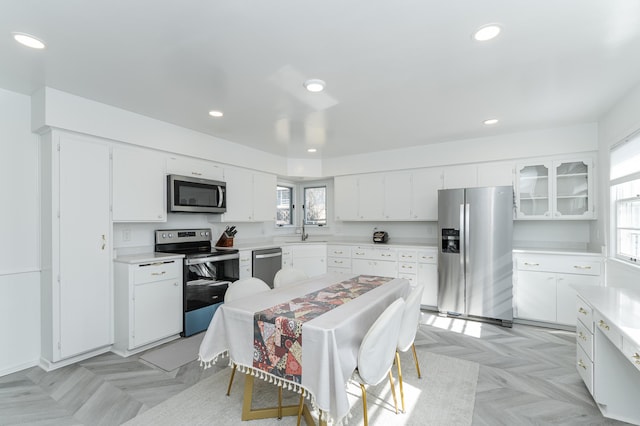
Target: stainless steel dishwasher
[[266, 263]]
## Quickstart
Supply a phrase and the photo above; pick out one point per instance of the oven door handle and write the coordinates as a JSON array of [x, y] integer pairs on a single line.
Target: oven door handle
[[217, 258]]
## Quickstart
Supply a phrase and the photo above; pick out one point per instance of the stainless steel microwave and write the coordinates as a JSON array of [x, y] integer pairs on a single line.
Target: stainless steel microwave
[[186, 194]]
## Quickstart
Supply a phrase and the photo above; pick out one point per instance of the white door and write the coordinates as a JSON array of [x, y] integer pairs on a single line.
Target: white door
[[157, 311], [424, 194], [397, 195], [240, 195], [264, 197], [85, 299], [536, 296], [371, 197]]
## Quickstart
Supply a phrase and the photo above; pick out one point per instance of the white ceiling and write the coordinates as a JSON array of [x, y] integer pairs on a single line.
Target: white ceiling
[[398, 73]]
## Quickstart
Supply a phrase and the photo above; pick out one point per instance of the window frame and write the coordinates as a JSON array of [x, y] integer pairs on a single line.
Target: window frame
[[305, 188], [292, 195]]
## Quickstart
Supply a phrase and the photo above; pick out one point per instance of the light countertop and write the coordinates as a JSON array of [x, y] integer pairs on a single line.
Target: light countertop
[[620, 306], [147, 257]]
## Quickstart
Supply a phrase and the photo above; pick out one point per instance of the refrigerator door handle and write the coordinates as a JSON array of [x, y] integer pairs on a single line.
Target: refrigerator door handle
[[465, 243], [463, 230]]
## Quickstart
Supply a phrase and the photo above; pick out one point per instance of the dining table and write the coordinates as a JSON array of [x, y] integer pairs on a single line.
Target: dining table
[[304, 337]]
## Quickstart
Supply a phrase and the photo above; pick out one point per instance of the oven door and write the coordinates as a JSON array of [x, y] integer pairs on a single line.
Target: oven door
[[205, 284]]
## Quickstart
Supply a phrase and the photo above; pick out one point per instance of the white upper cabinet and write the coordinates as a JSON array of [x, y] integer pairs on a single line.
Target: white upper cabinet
[[559, 189], [371, 192], [464, 176], [495, 174], [138, 185], [346, 197], [186, 166], [397, 196], [425, 184], [251, 196]]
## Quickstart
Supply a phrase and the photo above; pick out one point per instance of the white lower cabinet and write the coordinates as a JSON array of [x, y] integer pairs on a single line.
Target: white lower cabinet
[[148, 303], [428, 276], [544, 285], [310, 258], [376, 261], [339, 259]]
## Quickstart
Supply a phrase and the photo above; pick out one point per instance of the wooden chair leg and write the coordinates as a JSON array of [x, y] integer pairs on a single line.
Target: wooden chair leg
[[415, 358], [279, 402], [400, 379], [300, 407], [233, 373], [364, 404], [393, 391]]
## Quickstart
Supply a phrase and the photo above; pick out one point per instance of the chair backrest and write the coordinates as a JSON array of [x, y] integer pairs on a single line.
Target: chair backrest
[[288, 276], [245, 287], [378, 347], [410, 319]]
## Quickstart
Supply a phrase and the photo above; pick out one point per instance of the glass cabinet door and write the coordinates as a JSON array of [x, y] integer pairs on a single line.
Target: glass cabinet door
[[533, 191], [572, 188]]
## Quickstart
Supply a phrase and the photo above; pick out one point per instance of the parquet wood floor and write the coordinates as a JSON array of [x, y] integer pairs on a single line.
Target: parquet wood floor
[[527, 377]]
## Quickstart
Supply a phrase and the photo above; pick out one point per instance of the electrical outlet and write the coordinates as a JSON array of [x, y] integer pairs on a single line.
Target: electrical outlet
[[126, 234]]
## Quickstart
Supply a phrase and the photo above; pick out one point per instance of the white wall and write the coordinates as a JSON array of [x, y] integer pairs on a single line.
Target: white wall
[[19, 236], [622, 120]]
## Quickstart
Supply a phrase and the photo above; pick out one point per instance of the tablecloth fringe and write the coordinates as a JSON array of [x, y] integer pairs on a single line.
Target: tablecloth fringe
[[209, 363]]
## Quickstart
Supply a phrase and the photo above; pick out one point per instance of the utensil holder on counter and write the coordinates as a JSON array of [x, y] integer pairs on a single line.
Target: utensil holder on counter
[[224, 241]]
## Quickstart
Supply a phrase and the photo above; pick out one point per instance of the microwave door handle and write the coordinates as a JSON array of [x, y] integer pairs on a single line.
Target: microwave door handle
[[220, 196]]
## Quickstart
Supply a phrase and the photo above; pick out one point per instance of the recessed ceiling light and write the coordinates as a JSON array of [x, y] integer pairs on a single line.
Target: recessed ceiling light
[[314, 85], [487, 32], [311, 150], [215, 113], [28, 40], [490, 121]]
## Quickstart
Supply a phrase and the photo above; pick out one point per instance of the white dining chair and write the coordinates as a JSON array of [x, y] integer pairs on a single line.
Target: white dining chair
[[288, 276], [377, 350], [237, 290], [408, 330]]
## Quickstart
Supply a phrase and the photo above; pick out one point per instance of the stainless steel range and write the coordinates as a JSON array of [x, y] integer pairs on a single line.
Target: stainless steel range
[[207, 273]]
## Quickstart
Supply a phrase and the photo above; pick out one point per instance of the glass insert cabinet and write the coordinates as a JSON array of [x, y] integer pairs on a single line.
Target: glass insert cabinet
[[561, 189]]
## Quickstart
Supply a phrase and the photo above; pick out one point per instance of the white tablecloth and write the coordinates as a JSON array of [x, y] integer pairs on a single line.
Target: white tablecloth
[[330, 341]]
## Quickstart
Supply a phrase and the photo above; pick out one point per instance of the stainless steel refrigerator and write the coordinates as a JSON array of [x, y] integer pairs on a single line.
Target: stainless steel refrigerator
[[475, 265]]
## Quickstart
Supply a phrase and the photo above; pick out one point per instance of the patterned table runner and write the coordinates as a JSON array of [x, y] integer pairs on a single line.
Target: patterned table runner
[[277, 332]]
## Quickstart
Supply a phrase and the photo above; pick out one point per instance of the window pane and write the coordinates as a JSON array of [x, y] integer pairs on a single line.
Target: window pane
[[315, 206], [284, 214]]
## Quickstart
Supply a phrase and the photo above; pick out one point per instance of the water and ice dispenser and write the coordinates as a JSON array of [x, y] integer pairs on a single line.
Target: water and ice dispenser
[[450, 240]]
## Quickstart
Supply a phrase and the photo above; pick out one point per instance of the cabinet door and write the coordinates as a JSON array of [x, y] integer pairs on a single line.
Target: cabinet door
[[245, 263], [85, 296], [345, 190], [536, 296], [312, 266], [424, 194], [239, 195], [533, 191], [371, 197], [397, 196], [573, 189], [139, 186], [194, 167], [495, 174], [384, 268], [465, 176], [264, 197], [566, 296], [157, 308], [428, 278], [362, 267]]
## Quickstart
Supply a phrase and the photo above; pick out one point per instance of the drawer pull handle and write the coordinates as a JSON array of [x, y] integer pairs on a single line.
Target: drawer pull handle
[[407, 267], [531, 264], [337, 252], [581, 364], [339, 261], [603, 325], [581, 267], [359, 254], [158, 273], [582, 337], [582, 310], [636, 356]]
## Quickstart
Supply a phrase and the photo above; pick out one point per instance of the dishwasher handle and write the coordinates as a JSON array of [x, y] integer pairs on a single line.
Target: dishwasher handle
[[266, 256]]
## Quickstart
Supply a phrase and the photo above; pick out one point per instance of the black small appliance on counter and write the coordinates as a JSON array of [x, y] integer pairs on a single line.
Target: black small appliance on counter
[[380, 237]]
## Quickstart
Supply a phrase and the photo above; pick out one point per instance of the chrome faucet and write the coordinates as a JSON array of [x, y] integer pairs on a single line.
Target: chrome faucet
[[303, 236]]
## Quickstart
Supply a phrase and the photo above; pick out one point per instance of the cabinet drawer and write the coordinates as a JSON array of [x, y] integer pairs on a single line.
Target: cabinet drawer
[[157, 271], [374, 253], [413, 281], [407, 268], [608, 329], [428, 256], [632, 352], [585, 314], [561, 264], [585, 368], [584, 338], [338, 262], [407, 255], [339, 251]]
